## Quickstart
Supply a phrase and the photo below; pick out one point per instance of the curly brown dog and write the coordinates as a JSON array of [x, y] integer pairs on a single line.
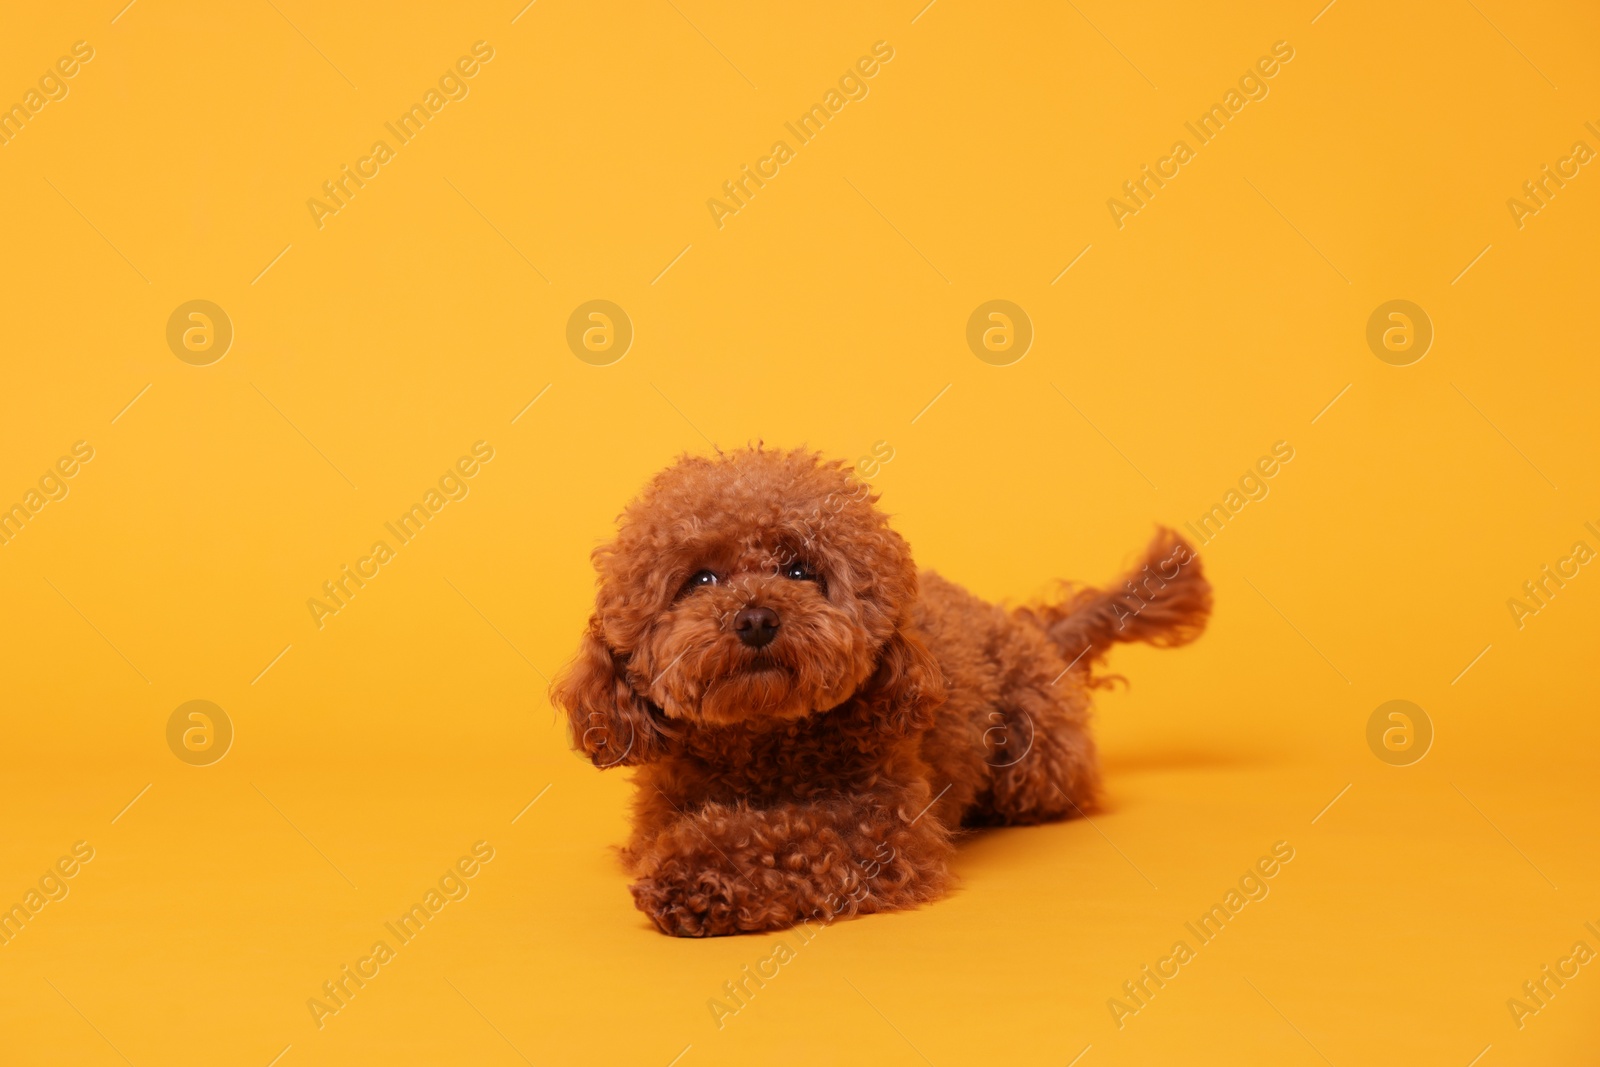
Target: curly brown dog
[[811, 719]]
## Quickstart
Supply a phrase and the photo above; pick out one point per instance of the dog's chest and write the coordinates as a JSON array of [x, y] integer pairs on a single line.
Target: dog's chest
[[802, 761]]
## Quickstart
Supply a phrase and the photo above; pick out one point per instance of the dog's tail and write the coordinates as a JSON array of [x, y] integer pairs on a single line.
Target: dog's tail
[[1164, 601]]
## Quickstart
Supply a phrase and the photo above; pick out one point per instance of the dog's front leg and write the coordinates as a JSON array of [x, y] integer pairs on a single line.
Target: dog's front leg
[[724, 869]]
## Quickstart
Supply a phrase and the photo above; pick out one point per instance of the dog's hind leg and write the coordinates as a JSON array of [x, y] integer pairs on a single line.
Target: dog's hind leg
[[1037, 749], [1011, 743], [1041, 757]]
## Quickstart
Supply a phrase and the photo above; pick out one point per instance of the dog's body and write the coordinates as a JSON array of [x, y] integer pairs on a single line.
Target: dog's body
[[811, 722]]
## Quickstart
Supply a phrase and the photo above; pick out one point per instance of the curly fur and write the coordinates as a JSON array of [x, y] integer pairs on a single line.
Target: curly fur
[[827, 772]]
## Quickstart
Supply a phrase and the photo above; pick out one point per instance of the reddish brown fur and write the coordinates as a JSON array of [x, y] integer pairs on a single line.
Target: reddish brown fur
[[827, 772]]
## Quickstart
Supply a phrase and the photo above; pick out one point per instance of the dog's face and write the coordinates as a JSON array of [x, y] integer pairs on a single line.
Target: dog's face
[[753, 586]]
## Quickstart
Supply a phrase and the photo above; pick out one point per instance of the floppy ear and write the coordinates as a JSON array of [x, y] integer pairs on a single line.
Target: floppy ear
[[611, 724], [908, 686]]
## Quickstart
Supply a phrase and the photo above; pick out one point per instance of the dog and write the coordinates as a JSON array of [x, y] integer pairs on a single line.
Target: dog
[[811, 720]]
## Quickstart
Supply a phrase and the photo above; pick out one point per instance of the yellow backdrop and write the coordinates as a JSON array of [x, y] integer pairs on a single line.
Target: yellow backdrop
[[278, 272]]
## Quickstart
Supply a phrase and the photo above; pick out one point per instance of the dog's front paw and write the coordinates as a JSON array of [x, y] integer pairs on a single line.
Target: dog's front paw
[[697, 905]]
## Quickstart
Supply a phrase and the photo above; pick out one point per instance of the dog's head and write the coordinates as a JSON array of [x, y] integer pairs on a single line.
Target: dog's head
[[755, 586]]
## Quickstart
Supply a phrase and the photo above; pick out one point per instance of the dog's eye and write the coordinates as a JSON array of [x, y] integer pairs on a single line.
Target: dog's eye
[[701, 578], [798, 572]]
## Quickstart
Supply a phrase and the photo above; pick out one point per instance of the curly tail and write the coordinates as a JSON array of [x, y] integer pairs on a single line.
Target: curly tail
[[1165, 601]]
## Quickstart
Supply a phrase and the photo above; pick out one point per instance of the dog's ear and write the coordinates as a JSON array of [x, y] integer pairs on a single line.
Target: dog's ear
[[908, 686], [611, 724]]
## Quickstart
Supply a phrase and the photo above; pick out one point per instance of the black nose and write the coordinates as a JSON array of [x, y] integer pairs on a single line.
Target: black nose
[[756, 627]]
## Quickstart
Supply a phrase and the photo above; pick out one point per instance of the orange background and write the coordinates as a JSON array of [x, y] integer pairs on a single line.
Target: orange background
[[369, 354]]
